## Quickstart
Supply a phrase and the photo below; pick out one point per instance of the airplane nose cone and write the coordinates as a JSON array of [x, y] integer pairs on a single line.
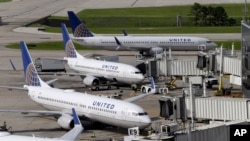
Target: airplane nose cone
[[146, 121], [214, 45], [138, 78], [141, 78]]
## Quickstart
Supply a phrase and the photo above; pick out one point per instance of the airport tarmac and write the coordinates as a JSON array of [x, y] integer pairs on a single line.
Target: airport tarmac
[[21, 12], [47, 126]]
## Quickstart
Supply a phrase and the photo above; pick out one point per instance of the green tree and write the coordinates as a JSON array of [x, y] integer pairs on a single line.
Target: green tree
[[220, 16], [210, 16], [195, 11]]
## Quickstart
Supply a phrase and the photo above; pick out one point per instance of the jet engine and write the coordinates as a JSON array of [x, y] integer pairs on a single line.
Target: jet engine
[[66, 121], [155, 50], [91, 81]]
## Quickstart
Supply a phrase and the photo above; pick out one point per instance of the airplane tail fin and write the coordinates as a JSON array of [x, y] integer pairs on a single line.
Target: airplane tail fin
[[76, 131], [68, 44], [78, 27], [30, 73]]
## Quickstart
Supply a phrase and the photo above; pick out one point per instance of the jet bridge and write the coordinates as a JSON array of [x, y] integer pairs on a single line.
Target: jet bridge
[[204, 65]]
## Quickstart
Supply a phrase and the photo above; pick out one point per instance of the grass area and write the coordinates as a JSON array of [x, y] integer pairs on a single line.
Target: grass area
[[146, 20], [233, 10], [5, 0], [228, 44], [59, 45], [155, 30]]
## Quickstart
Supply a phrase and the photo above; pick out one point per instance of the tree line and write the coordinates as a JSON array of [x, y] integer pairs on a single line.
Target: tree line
[[210, 16]]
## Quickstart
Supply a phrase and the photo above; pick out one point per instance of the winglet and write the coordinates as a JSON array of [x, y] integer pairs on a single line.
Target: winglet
[[124, 33], [76, 131], [142, 95], [12, 64], [117, 41], [68, 44], [75, 117], [30, 73], [78, 27], [119, 44], [152, 82]]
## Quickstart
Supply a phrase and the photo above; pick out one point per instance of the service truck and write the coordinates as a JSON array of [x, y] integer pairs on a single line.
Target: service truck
[[49, 65]]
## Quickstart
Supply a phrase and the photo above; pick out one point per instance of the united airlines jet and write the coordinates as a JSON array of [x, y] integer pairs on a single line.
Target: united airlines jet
[[121, 113], [95, 70], [69, 136], [146, 45]]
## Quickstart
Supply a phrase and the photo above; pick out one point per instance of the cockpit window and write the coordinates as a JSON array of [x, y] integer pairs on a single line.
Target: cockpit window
[[137, 72], [142, 114], [139, 114], [209, 41]]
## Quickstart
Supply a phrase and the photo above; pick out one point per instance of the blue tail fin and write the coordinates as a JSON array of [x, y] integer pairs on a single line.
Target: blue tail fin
[[30, 73], [68, 44], [79, 28]]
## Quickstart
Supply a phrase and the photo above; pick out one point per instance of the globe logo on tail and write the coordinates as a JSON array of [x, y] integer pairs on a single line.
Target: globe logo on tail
[[82, 31], [70, 50], [32, 78]]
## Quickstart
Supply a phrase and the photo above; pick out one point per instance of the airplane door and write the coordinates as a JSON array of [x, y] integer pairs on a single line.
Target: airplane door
[[202, 47]]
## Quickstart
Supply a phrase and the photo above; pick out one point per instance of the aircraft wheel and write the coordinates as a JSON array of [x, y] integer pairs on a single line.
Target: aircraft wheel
[[97, 88]]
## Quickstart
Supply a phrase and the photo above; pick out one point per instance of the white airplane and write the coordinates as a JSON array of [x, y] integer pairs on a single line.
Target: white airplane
[[69, 136], [96, 70], [146, 45], [121, 113]]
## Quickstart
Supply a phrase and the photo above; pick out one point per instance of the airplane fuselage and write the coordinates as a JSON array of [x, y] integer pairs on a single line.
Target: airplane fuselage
[[176, 43], [121, 73], [110, 111]]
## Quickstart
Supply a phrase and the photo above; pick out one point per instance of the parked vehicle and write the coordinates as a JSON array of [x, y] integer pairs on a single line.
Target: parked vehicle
[[49, 65], [211, 80]]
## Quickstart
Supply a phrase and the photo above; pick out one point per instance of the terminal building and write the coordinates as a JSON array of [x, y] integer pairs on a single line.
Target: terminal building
[[245, 49]]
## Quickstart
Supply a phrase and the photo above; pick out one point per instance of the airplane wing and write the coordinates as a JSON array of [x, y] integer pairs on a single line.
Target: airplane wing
[[152, 91], [42, 112], [140, 96], [14, 88], [142, 47], [25, 89]]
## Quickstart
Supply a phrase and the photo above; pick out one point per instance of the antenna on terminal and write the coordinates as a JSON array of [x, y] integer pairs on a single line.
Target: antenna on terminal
[[245, 10]]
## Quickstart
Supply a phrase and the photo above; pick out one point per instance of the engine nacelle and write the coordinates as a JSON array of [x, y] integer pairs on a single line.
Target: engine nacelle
[[66, 121], [91, 81], [155, 50]]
